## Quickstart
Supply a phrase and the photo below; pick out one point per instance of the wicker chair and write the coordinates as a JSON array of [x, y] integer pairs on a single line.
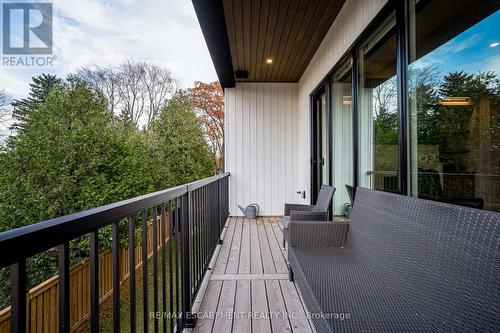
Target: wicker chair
[[318, 212]]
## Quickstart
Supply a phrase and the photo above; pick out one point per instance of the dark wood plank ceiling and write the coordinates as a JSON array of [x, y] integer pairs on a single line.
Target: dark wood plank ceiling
[[286, 31]]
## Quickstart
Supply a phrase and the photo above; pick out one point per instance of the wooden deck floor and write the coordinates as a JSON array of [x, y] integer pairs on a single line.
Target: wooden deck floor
[[248, 288]]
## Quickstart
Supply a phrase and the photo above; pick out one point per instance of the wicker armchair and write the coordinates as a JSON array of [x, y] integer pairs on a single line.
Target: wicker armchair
[[318, 212]]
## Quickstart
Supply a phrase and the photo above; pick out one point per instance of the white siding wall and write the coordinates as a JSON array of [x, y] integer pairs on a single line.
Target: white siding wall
[[267, 124], [260, 152]]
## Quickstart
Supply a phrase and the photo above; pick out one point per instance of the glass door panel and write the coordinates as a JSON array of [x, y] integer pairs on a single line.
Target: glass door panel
[[342, 140], [320, 145], [323, 153]]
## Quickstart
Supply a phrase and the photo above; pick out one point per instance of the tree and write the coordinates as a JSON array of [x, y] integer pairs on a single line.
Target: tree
[[134, 92], [40, 88], [385, 117], [456, 139], [104, 81], [5, 111], [208, 99], [179, 149], [423, 99], [71, 156], [159, 85], [4, 105], [68, 158]]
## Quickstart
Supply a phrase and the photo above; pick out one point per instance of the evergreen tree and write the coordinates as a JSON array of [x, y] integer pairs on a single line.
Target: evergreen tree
[[179, 148], [40, 88]]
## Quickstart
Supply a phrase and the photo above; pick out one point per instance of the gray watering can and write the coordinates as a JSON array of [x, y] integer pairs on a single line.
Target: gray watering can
[[251, 211]]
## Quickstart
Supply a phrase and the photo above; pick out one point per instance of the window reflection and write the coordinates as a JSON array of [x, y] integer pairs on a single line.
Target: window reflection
[[378, 116], [454, 102]]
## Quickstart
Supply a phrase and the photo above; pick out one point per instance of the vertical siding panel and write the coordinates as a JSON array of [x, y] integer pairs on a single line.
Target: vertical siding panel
[[251, 142], [256, 142], [239, 144], [267, 137], [282, 150], [246, 146], [232, 151], [229, 153], [233, 142], [290, 144], [261, 151], [275, 146], [229, 138]]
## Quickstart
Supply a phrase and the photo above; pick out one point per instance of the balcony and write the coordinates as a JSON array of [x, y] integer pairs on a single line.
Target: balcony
[[174, 231], [238, 274]]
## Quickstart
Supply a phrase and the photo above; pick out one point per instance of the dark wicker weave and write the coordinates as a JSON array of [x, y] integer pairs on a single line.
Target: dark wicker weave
[[297, 207], [301, 216], [318, 233], [318, 212], [409, 265]]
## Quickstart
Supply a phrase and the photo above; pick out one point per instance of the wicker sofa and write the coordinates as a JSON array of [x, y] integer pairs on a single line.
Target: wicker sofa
[[407, 265]]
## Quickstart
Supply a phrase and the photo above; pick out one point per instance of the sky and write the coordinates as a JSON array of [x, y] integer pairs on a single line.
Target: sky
[[473, 50], [108, 32]]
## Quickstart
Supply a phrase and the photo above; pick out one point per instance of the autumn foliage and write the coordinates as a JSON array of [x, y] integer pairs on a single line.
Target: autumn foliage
[[208, 99]]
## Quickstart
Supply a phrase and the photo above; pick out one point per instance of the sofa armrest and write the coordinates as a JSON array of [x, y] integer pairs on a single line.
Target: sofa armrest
[[297, 215], [318, 233], [290, 207]]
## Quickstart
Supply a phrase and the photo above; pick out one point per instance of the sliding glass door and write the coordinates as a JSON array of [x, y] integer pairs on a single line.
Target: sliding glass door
[[431, 129]]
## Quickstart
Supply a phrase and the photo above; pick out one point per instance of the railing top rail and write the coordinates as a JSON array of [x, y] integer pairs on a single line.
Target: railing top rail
[[26, 241], [203, 182]]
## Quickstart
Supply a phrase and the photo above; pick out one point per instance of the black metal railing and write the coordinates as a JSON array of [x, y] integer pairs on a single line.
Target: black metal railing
[[197, 213]]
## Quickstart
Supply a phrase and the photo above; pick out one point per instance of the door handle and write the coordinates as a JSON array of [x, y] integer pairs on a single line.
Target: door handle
[[302, 194]]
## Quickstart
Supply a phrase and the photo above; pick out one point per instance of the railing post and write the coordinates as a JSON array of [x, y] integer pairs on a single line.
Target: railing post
[[18, 294], [219, 215], [187, 218], [64, 320], [94, 282]]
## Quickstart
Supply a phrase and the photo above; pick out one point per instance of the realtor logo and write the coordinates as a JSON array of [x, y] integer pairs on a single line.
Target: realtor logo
[[27, 28]]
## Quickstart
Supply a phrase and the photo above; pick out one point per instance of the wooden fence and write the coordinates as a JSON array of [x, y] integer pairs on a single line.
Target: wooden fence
[[43, 300]]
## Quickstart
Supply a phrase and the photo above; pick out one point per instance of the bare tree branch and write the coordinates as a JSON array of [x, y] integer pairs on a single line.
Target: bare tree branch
[[134, 92], [5, 107]]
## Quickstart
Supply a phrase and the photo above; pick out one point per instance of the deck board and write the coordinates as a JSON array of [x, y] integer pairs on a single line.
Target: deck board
[[265, 250], [276, 250], [223, 323], [255, 255], [294, 306], [220, 265], [234, 255], [244, 267], [279, 321], [260, 307], [211, 300], [250, 280], [243, 307]]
